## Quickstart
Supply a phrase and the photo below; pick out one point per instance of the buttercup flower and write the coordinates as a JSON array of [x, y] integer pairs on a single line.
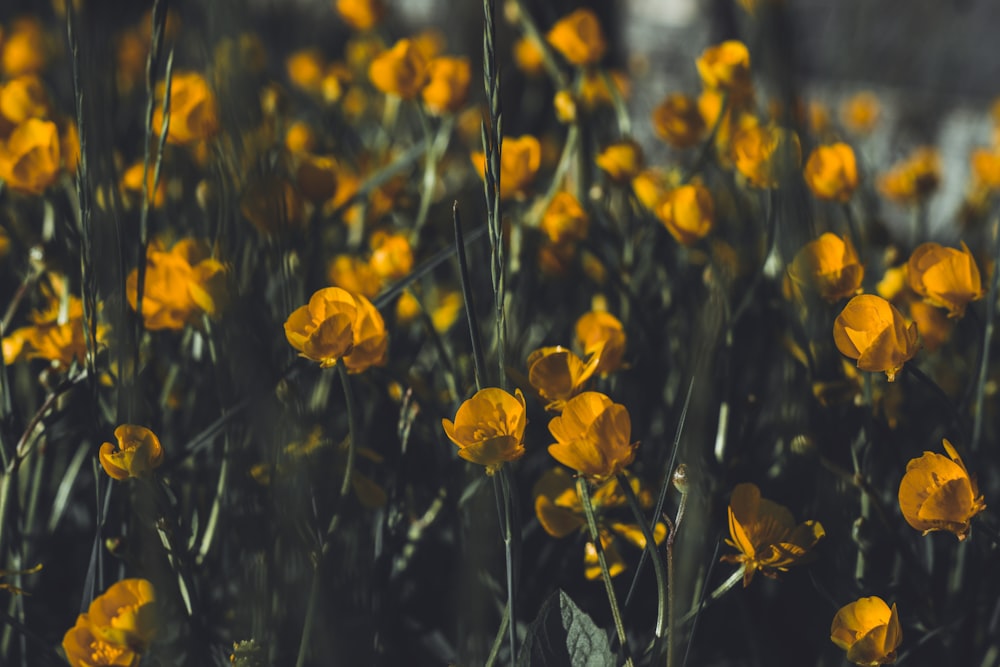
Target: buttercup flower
[[558, 374], [360, 14], [489, 428], [726, 66], [448, 87], [766, 535], [20, 99], [871, 330], [392, 256], [763, 153], [528, 57], [688, 213], [335, 325], [193, 110], [354, 275], [55, 332], [677, 120], [600, 333], [832, 172], [519, 162], [84, 648], [860, 112], [579, 38], [117, 628], [593, 436], [621, 161], [945, 277], [305, 69], [24, 51], [934, 327], [402, 70], [138, 453], [914, 179], [868, 630], [29, 157], [937, 493], [829, 265], [565, 220]]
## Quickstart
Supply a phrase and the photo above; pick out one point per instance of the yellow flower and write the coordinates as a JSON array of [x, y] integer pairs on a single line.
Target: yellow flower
[[300, 138], [306, 69], [117, 628], [688, 213], [893, 282], [593, 436], [594, 90], [832, 172], [913, 179], [678, 121], [565, 106], [337, 324], [448, 87], [558, 374], [20, 99], [138, 453], [829, 265], [945, 277], [726, 67], [520, 159], [932, 324], [985, 165], [360, 14], [392, 256], [24, 51], [860, 112], [601, 334], [193, 111], [489, 428], [179, 286], [871, 330], [84, 648], [354, 275], [132, 183], [621, 161], [55, 333], [29, 157], [402, 70], [528, 57], [579, 38], [937, 493], [766, 535], [565, 220], [650, 187], [868, 630], [763, 154]]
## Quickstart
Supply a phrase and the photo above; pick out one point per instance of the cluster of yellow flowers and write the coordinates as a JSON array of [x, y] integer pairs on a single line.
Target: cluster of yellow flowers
[[117, 629]]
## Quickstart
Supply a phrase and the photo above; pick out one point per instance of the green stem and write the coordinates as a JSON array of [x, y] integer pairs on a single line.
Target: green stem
[[671, 621], [508, 547], [723, 588], [498, 642], [651, 549]]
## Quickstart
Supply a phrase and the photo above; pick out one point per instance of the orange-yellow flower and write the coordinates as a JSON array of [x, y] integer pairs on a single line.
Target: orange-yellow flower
[[934, 327], [337, 324], [766, 535], [565, 220], [726, 67], [558, 374], [138, 452], [600, 333], [871, 330], [24, 51], [860, 112], [832, 172], [489, 428], [448, 87], [678, 121], [20, 99], [132, 183], [763, 154], [579, 38], [520, 159], [868, 630], [306, 69], [688, 213], [913, 179], [621, 161], [193, 110], [360, 14], [593, 436], [392, 256], [945, 277], [354, 275], [985, 165], [117, 628], [829, 265], [528, 56], [29, 158], [937, 493], [402, 70], [84, 648], [179, 285]]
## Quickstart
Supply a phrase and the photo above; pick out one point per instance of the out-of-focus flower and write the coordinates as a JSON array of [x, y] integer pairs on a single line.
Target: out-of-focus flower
[[20, 99], [29, 157], [392, 255], [600, 333], [945, 277], [300, 138], [564, 104], [519, 162], [914, 179], [594, 89], [831, 172], [272, 204], [621, 161], [117, 628], [985, 165], [579, 38], [354, 275], [766, 535], [24, 50], [593, 436], [726, 67], [688, 213], [430, 43], [558, 374], [448, 87], [871, 330], [868, 630], [316, 177], [565, 220], [489, 428], [651, 187], [401, 71], [137, 454], [934, 327], [860, 112], [893, 282], [305, 69], [132, 183], [829, 265], [937, 493], [528, 57], [678, 121], [337, 324], [764, 154], [193, 110], [360, 14]]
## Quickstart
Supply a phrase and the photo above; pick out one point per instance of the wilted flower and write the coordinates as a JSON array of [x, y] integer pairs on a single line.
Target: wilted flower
[[558, 374], [519, 162], [193, 111], [871, 330], [937, 493], [868, 630], [360, 14], [402, 70], [138, 452], [593, 436], [763, 154], [831, 172], [688, 213], [726, 67], [621, 161], [600, 333], [489, 428], [29, 157], [448, 87], [860, 112], [565, 220], [579, 38], [337, 324], [766, 534], [117, 628], [913, 179], [829, 265], [678, 121], [945, 277]]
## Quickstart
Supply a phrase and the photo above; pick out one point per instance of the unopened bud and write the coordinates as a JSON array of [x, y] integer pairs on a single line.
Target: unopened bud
[[680, 478]]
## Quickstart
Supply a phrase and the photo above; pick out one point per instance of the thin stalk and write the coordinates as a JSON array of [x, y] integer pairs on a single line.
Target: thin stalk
[[706, 146], [498, 641], [651, 549], [621, 111], [723, 588], [680, 481], [508, 549], [479, 366], [548, 58], [588, 509], [436, 145], [984, 357]]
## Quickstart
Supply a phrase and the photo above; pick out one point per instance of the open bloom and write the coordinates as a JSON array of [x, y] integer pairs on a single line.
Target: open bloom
[[860, 112], [621, 161], [565, 220], [558, 374], [593, 436], [764, 153], [29, 157], [871, 330], [832, 172], [600, 333], [402, 70], [945, 277], [193, 109], [138, 452], [688, 213], [726, 67], [579, 38], [117, 628], [868, 630], [914, 179], [937, 493], [830, 265], [489, 428], [360, 14], [448, 87], [677, 120], [766, 534], [519, 162], [337, 324]]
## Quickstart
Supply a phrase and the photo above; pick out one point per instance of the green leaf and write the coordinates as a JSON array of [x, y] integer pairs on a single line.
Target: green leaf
[[564, 636]]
